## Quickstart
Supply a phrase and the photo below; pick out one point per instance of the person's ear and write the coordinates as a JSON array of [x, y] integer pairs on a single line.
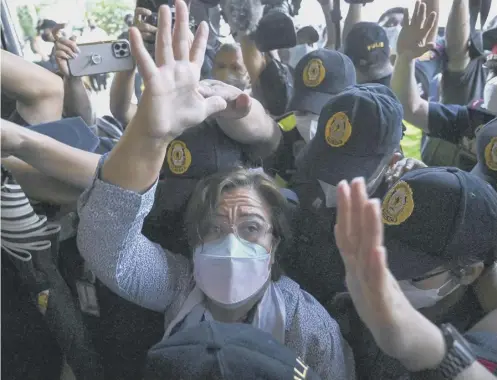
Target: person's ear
[[471, 273], [396, 157]]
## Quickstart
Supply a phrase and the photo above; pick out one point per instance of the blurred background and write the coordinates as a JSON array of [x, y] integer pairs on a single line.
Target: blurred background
[[97, 20]]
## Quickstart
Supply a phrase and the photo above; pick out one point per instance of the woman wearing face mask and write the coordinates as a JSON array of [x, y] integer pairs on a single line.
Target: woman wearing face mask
[[440, 227], [236, 222]]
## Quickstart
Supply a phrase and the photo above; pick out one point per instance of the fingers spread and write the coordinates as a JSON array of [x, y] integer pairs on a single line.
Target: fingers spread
[[199, 44], [181, 44], [422, 16], [430, 23], [164, 42], [144, 61], [416, 14]]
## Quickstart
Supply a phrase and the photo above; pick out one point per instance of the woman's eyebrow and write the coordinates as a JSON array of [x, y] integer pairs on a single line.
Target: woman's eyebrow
[[251, 214]]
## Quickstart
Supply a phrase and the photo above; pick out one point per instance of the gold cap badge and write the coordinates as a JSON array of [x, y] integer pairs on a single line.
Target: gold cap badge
[[179, 157], [398, 204]]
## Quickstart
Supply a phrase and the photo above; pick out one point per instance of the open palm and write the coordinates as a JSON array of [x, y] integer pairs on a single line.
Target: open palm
[[377, 297], [171, 101], [412, 38]]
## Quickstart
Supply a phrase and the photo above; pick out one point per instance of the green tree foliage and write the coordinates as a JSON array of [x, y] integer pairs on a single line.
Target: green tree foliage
[[109, 15], [28, 25]]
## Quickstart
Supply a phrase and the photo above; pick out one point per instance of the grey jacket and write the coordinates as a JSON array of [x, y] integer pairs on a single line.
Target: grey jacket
[[110, 240]]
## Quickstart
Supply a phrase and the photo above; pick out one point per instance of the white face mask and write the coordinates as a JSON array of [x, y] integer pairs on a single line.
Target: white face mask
[[307, 125], [393, 35], [420, 298], [229, 270], [490, 95]]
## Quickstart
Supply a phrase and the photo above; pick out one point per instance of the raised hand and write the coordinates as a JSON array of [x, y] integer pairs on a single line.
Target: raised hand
[[65, 49], [171, 101], [399, 329], [412, 41]]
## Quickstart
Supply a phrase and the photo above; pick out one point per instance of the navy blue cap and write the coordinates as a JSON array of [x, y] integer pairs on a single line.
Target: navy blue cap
[[224, 351], [368, 47], [438, 217], [46, 24], [486, 149], [70, 131], [356, 131], [320, 75], [197, 153]]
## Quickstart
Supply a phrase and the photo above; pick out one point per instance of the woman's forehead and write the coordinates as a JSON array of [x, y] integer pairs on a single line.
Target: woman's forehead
[[244, 201]]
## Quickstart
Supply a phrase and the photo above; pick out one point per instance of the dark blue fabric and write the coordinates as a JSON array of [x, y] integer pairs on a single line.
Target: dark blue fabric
[[71, 131], [452, 224], [452, 122]]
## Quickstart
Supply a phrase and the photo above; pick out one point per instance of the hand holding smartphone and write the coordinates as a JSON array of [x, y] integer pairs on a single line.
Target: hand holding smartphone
[[102, 57]]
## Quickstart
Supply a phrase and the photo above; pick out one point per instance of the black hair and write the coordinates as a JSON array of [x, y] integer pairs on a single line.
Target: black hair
[[391, 11], [152, 5]]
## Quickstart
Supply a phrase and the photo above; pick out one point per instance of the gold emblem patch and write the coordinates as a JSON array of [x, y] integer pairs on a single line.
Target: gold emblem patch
[[491, 154], [179, 157], [314, 73], [398, 204], [338, 130]]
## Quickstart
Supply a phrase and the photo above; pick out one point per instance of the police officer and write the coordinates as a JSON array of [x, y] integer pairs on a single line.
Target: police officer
[[358, 134], [453, 123], [439, 235], [319, 76]]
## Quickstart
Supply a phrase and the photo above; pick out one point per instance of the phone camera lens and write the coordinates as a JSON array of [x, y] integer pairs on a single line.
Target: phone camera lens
[[122, 53]]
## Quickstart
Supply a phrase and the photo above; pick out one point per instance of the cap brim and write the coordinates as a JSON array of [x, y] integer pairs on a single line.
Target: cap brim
[[407, 263], [480, 171], [70, 131], [172, 193], [309, 101], [332, 166], [376, 72]]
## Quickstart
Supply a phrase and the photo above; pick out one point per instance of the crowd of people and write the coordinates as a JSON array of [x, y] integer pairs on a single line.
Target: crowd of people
[[254, 215]]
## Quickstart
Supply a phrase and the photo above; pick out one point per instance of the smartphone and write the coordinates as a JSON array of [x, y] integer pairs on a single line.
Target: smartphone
[[102, 57]]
